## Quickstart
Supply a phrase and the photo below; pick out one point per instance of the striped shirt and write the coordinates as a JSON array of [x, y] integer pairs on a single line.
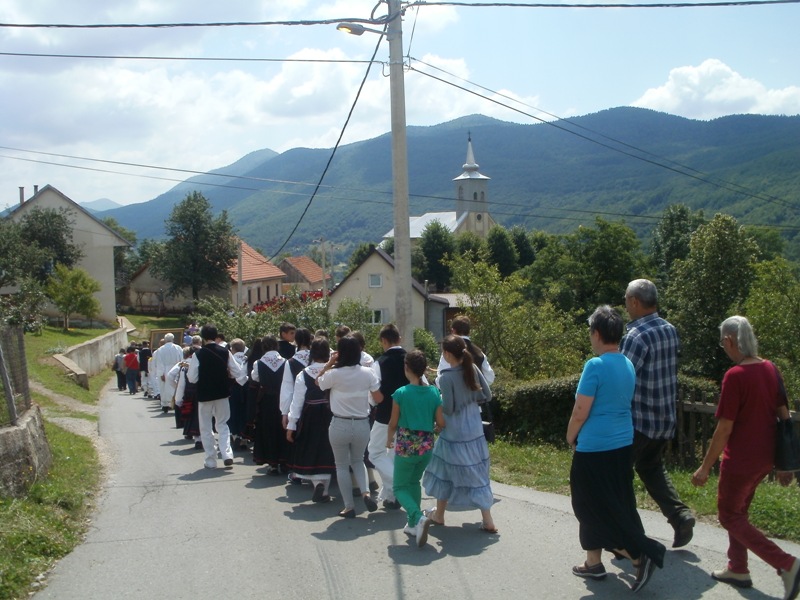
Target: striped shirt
[[652, 345]]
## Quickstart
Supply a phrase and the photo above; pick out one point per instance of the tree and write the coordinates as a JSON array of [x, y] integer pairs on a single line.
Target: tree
[[436, 244], [200, 248], [470, 244], [770, 243], [358, 256], [710, 285], [773, 308], [671, 238], [522, 242], [72, 291], [51, 231], [124, 259], [502, 252], [26, 306]]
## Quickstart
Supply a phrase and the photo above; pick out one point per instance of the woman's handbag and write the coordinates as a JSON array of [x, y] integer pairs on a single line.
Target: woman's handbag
[[787, 444]]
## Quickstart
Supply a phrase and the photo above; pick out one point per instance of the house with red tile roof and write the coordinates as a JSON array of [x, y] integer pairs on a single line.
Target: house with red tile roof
[[261, 280], [303, 272]]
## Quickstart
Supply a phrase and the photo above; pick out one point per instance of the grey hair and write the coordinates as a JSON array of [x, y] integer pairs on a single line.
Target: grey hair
[[169, 337], [740, 329], [644, 291]]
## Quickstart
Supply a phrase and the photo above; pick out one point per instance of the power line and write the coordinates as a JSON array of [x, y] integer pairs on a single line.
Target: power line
[[422, 3], [185, 58]]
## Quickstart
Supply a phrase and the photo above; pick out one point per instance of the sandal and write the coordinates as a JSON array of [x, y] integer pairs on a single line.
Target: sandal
[[483, 527], [429, 512], [597, 571]]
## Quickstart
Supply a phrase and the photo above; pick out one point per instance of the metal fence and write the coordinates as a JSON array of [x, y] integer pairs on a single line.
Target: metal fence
[[14, 375]]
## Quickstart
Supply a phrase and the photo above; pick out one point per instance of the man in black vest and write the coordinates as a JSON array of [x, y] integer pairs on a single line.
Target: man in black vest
[[390, 370], [461, 327], [286, 347], [210, 368]]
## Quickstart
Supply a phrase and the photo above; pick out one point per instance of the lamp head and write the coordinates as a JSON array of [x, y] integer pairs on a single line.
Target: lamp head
[[351, 28]]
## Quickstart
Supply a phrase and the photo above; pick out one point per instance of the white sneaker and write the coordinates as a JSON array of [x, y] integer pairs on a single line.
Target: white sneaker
[[409, 530], [791, 581], [421, 531]]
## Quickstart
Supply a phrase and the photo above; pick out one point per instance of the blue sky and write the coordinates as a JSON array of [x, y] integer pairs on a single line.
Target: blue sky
[[699, 63]]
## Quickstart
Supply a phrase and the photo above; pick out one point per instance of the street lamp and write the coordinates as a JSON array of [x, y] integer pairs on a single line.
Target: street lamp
[[402, 233]]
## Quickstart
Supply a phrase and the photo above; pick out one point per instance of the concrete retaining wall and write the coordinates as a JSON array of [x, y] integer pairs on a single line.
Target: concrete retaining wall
[[25, 453], [96, 355]]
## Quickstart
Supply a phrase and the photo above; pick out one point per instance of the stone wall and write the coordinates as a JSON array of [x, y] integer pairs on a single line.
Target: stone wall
[[97, 354], [25, 453]]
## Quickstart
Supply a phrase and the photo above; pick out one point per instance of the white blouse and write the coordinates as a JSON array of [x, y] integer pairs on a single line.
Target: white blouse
[[350, 387]]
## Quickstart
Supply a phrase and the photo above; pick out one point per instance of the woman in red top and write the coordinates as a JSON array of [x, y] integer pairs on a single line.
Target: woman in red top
[[751, 401], [132, 364]]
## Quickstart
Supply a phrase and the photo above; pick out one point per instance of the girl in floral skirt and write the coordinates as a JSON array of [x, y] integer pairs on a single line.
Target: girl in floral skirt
[[415, 409]]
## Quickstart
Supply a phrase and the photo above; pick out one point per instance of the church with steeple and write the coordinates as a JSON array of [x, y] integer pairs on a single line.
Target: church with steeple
[[472, 204]]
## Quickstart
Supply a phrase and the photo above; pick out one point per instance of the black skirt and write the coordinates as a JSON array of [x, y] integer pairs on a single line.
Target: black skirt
[[311, 451], [269, 440], [605, 504]]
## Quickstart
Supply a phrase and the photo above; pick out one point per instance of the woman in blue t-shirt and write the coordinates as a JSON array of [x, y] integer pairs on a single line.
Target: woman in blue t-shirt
[[600, 431]]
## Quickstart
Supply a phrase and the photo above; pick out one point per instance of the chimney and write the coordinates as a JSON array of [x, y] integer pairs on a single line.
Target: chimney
[[35, 189], [21, 195]]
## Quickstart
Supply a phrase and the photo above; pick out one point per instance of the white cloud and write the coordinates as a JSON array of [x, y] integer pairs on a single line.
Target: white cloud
[[712, 89]]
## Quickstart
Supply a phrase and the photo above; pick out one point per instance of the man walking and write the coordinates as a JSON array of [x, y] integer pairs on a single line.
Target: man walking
[[166, 357], [390, 369], [652, 345], [210, 368]]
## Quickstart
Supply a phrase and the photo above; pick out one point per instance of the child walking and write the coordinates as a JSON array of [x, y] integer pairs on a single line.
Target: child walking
[[415, 409]]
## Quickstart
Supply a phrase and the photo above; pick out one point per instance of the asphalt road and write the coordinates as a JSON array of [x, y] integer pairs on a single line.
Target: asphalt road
[[168, 528]]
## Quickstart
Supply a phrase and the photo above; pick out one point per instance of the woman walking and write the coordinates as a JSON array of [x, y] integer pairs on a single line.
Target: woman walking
[[350, 386], [131, 368], [415, 408], [458, 472], [269, 446], [600, 431], [753, 397]]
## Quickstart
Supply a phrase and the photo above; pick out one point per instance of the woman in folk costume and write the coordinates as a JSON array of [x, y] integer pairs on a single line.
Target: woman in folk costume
[[186, 402], [252, 389], [270, 445], [295, 365], [307, 429]]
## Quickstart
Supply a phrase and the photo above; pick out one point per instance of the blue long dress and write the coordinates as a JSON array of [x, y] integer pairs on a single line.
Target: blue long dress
[[459, 468]]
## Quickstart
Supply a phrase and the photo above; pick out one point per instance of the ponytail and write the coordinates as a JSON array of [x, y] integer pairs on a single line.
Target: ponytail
[[456, 346]]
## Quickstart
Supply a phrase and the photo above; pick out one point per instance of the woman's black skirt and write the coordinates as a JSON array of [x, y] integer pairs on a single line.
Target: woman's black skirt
[[605, 504], [311, 452], [269, 440]]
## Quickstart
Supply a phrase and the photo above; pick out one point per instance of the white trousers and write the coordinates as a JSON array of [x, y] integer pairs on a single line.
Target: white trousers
[[221, 411], [382, 458]]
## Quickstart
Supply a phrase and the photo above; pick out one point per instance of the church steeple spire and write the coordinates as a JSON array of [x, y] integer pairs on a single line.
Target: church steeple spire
[[472, 202]]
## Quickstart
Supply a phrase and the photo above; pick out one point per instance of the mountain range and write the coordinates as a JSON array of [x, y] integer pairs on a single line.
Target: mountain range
[[621, 164]]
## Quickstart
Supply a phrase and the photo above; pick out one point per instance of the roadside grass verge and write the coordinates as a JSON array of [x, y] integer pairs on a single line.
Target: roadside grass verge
[[146, 323], [546, 468], [51, 520], [42, 368]]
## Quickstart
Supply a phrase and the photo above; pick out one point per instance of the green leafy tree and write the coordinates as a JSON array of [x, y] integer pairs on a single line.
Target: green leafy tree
[[26, 306], [524, 246], [501, 250], [72, 291], [671, 238], [17, 257], [773, 308], [436, 244], [770, 243], [469, 243], [710, 285], [124, 258], [51, 231], [199, 250], [531, 340]]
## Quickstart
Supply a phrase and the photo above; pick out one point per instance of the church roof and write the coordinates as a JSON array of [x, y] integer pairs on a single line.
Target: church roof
[[470, 166], [418, 224]]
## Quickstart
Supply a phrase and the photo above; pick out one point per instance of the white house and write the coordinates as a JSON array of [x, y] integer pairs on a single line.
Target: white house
[[96, 240]]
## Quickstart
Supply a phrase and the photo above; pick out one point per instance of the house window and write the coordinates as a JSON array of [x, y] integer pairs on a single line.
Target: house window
[[258, 293], [249, 296], [375, 280], [377, 317]]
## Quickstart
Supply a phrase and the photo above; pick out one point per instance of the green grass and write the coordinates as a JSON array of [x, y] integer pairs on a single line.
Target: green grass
[[50, 521], [39, 350], [546, 468], [146, 323]]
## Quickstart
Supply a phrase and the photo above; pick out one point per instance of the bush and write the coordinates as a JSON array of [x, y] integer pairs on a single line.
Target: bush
[[425, 341]]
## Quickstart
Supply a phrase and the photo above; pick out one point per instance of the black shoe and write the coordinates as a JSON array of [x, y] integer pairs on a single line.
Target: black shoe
[[198, 445], [165, 409], [371, 505], [597, 571], [684, 532], [391, 504], [644, 570], [228, 462], [319, 493], [295, 481], [348, 514], [373, 486]]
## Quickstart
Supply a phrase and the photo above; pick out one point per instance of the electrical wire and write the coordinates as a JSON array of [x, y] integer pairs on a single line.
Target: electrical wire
[[333, 151], [185, 58], [423, 3]]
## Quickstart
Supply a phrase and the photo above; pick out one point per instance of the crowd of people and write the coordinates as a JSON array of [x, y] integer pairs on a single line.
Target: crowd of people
[[312, 409]]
